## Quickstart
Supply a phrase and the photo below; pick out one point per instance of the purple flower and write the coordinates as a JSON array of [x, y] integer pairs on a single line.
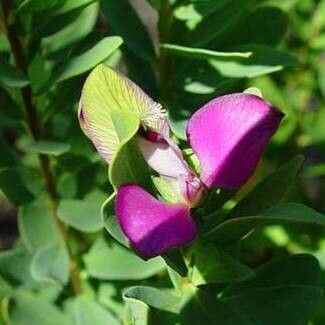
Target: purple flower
[[228, 136], [151, 226]]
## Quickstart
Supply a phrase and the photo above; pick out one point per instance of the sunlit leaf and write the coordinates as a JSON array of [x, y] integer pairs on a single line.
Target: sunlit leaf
[[49, 147], [202, 54], [83, 215], [51, 264], [114, 262]]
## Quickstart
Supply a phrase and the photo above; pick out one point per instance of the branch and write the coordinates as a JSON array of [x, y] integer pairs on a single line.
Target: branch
[[33, 123]]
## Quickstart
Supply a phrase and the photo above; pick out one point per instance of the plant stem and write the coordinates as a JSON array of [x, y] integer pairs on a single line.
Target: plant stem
[[165, 21], [34, 125]]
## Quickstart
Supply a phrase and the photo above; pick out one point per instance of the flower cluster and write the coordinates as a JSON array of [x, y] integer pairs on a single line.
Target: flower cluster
[[228, 136]]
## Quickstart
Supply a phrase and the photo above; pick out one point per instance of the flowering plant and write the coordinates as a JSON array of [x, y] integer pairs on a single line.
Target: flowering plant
[[208, 115], [227, 136]]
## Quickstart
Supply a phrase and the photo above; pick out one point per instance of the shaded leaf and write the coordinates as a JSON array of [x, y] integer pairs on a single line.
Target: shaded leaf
[[216, 23], [286, 305], [13, 187], [175, 260], [126, 23], [11, 77], [235, 228], [270, 190], [201, 308], [213, 265], [129, 166], [299, 269]]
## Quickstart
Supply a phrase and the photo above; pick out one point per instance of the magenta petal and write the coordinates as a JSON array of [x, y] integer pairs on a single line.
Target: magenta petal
[[229, 135], [151, 226]]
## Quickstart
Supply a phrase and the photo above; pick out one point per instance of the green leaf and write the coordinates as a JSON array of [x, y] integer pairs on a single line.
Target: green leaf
[[168, 189], [15, 265], [201, 308], [83, 215], [202, 54], [89, 59], [299, 269], [51, 264], [138, 299], [13, 187], [49, 147], [114, 262], [11, 77], [270, 191], [272, 24], [287, 305], [235, 228], [175, 260], [75, 29], [26, 309], [110, 222], [213, 265], [8, 157], [321, 77], [195, 11], [30, 6], [129, 166], [11, 114], [136, 312], [86, 311], [264, 60], [254, 91], [216, 23], [107, 293], [70, 5], [37, 225], [283, 292], [5, 288], [153, 297], [126, 23]]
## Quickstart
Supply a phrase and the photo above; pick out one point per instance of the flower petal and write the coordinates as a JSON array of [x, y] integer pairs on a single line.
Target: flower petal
[[228, 135], [164, 157], [106, 91], [151, 226]]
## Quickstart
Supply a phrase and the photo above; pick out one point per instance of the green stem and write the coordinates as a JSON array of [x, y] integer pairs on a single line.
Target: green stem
[[164, 24], [34, 125]]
